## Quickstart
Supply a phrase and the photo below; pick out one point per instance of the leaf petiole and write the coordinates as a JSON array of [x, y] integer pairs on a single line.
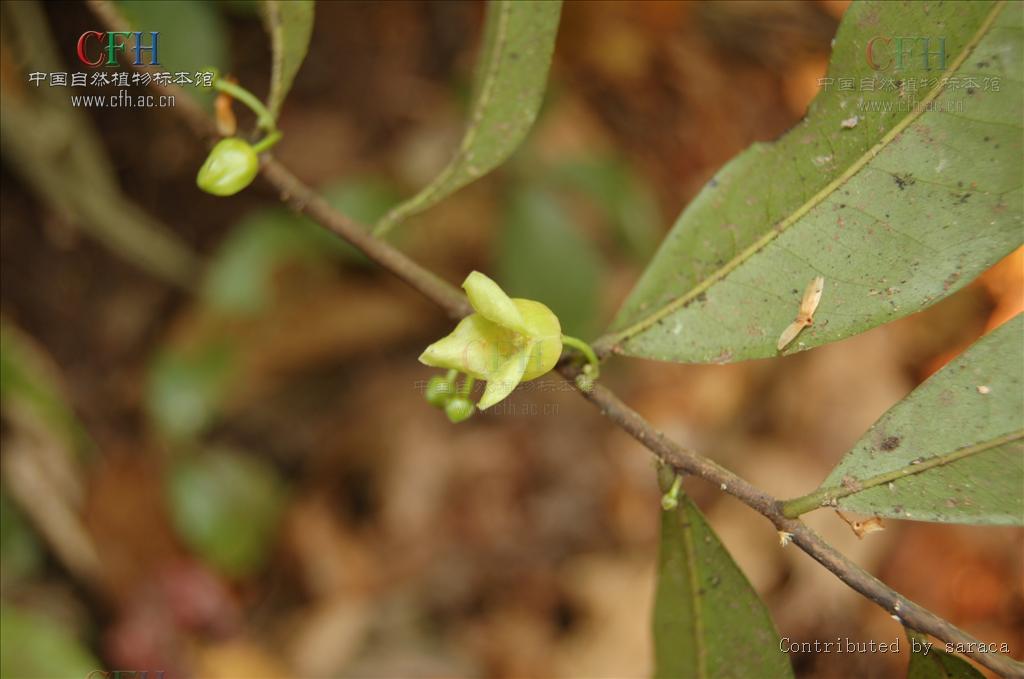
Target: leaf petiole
[[670, 500]]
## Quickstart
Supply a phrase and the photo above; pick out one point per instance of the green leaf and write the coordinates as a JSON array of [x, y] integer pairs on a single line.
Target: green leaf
[[226, 506], [31, 385], [290, 25], [627, 203], [519, 39], [240, 278], [929, 662], [538, 247], [949, 452], [895, 208], [34, 647], [708, 620], [77, 180], [186, 387], [193, 36], [21, 555], [365, 199]]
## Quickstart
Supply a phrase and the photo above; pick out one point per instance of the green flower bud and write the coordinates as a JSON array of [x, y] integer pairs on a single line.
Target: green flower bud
[[458, 409], [230, 167], [439, 391]]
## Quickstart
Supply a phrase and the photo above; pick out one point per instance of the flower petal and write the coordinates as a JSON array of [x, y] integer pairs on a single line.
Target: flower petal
[[543, 355], [492, 303], [540, 321], [501, 383], [545, 334], [476, 347]]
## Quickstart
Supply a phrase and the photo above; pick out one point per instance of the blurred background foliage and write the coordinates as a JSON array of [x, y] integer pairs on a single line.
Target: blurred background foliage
[[216, 458]]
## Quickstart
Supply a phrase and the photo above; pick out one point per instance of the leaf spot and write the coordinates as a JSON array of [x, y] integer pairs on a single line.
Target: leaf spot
[[890, 443]]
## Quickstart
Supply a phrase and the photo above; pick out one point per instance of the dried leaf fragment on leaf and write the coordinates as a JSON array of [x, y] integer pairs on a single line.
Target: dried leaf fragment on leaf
[[862, 528], [805, 316]]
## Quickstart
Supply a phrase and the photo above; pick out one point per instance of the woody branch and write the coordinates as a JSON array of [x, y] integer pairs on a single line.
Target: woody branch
[[305, 200]]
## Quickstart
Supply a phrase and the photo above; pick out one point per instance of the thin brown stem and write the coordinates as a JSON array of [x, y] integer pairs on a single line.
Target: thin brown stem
[[306, 201], [909, 613]]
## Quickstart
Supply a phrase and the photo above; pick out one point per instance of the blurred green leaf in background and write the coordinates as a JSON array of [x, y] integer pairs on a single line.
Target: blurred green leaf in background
[[20, 551], [33, 646], [240, 277], [186, 386], [30, 387], [625, 200], [542, 256], [193, 36], [226, 506]]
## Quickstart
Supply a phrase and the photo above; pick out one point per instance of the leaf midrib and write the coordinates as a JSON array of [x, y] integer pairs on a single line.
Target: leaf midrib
[[827, 494], [279, 43], [490, 76], [609, 341], [691, 567]]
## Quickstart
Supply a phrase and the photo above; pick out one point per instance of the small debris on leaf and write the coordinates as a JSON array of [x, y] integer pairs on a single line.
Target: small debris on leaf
[[805, 316], [850, 122]]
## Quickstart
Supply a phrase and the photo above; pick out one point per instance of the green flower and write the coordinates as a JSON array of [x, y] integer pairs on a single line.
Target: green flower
[[507, 341]]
